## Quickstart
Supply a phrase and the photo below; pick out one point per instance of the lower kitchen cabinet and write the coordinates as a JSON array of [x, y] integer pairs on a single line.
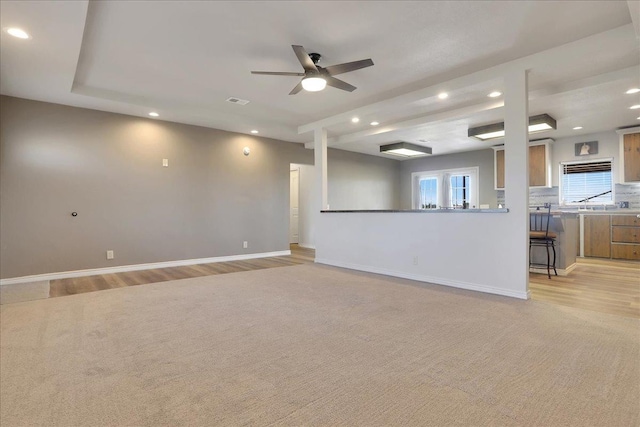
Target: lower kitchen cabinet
[[612, 236], [619, 251], [625, 237], [597, 236]]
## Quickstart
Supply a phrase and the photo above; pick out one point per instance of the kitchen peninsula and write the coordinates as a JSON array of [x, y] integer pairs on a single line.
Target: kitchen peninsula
[[566, 226]]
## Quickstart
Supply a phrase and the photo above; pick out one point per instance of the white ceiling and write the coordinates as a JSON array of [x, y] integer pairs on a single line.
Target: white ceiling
[[183, 59]]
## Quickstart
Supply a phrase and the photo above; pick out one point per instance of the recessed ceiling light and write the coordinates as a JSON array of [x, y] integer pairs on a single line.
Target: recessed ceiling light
[[577, 128], [495, 94], [154, 114], [17, 32], [634, 107], [355, 120], [443, 95], [633, 90], [254, 131], [374, 123]]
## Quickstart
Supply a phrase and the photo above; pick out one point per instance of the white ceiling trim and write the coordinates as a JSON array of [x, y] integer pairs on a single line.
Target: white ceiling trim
[[566, 53], [443, 116], [439, 117]]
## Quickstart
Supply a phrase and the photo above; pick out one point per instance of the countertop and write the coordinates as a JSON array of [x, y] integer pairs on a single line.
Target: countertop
[[621, 211], [427, 211], [557, 212]]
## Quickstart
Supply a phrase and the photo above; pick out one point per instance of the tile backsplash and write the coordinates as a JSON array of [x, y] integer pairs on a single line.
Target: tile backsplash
[[539, 196], [628, 193]]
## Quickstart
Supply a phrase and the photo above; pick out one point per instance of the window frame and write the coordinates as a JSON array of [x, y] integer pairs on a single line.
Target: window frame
[[474, 186], [561, 202]]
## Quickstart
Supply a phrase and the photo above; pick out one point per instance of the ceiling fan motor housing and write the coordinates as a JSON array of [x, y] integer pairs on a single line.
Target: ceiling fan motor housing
[[315, 57]]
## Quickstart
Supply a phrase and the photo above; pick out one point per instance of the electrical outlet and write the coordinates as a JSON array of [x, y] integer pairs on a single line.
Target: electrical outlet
[[415, 260], [109, 254], [245, 244]]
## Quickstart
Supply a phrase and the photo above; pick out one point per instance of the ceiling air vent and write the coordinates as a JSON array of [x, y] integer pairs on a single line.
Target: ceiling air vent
[[237, 101]]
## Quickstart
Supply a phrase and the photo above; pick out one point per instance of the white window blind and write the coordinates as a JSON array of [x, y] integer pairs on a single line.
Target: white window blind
[[586, 182]]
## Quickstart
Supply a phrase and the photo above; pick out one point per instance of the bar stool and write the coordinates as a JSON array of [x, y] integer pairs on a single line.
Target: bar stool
[[539, 235]]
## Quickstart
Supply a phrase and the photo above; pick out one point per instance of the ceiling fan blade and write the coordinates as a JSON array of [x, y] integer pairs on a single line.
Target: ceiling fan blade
[[348, 66], [296, 89], [304, 58], [277, 73], [337, 83]]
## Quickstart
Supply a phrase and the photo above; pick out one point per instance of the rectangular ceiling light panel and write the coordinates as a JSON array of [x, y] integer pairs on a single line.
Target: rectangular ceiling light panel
[[405, 149], [538, 123]]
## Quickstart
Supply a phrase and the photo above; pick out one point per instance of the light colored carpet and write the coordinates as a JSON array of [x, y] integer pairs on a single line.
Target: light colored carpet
[[24, 292], [313, 345]]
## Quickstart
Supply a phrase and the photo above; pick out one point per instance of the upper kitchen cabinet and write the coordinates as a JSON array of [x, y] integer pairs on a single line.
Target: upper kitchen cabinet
[[630, 154], [539, 164]]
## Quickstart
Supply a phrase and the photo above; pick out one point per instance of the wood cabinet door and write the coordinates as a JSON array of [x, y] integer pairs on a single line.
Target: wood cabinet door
[[621, 251], [625, 234], [499, 168], [597, 236], [537, 166], [626, 220], [631, 150]]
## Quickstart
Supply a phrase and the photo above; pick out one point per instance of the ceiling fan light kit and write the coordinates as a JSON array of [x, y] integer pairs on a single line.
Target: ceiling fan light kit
[[537, 123], [315, 77], [313, 84]]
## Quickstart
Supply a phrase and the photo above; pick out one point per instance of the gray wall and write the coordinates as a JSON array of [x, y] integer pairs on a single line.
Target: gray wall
[[483, 159], [108, 167], [563, 150], [353, 184]]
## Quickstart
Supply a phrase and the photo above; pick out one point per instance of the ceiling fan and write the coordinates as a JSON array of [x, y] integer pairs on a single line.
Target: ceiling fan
[[315, 77]]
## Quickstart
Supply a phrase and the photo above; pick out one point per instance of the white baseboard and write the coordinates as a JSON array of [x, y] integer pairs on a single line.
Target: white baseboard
[[137, 267], [428, 279]]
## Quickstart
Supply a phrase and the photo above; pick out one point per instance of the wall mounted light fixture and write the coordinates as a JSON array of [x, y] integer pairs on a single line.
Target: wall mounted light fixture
[[538, 123], [405, 149]]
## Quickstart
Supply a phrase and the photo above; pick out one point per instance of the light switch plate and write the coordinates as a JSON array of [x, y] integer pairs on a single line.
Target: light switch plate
[[165, 162]]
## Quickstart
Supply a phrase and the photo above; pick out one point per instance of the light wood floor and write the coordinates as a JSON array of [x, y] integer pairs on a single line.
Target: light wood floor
[[604, 286], [78, 285]]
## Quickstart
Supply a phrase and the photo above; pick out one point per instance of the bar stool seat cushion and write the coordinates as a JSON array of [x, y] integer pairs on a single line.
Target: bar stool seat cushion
[[543, 235]]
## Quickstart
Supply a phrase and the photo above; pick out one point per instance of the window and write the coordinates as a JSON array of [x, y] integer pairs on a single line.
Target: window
[[460, 191], [454, 188], [586, 183], [428, 197]]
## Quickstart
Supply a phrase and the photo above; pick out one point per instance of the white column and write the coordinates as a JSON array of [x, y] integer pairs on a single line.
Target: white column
[[516, 169], [320, 166]]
